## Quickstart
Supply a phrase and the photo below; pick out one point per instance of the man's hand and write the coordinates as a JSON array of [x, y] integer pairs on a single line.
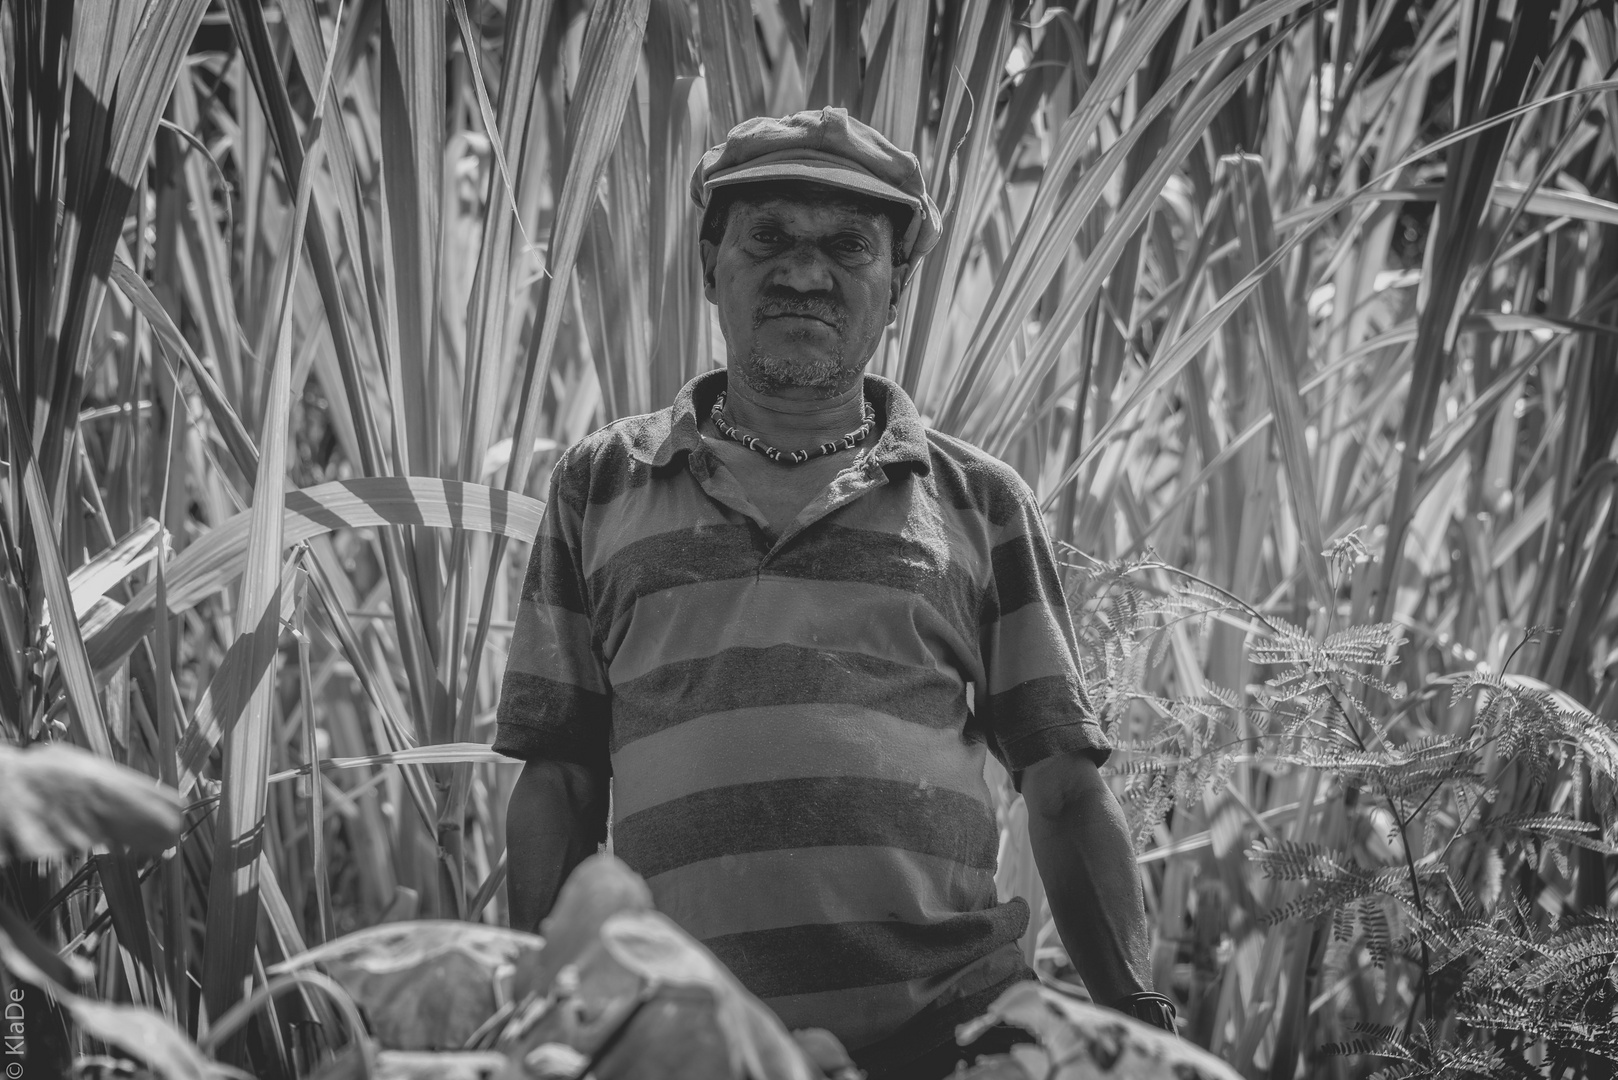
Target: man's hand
[[1081, 846], [556, 819]]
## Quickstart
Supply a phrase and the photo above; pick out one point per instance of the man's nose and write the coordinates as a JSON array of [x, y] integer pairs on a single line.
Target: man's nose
[[803, 268]]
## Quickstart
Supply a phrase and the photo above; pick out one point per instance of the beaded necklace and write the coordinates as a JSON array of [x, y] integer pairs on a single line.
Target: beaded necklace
[[794, 457]]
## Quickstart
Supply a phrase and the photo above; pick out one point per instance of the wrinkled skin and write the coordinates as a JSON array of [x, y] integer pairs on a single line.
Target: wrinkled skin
[[803, 291]]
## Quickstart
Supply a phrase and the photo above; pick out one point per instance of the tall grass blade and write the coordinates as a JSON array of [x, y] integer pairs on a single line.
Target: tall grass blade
[[146, 76], [218, 559], [77, 676], [233, 897], [1256, 229], [1470, 171]]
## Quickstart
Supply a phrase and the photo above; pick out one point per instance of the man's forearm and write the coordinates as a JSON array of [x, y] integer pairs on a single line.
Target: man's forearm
[[1081, 845], [556, 819]]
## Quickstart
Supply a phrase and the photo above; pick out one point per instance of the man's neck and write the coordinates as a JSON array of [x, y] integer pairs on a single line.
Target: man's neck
[[794, 423]]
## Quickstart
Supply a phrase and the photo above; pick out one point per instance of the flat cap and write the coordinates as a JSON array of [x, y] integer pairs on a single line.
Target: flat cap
[[826, 146]]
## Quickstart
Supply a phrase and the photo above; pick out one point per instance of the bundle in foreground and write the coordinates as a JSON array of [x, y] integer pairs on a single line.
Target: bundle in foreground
[[616, 991]]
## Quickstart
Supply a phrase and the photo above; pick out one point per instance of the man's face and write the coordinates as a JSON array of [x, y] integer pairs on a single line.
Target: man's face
[[804, 290]]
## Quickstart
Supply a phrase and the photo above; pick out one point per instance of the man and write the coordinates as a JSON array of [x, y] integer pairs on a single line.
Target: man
[[788, 621]]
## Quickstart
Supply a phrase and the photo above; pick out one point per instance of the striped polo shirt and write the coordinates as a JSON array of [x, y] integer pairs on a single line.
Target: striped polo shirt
[[796, 725]]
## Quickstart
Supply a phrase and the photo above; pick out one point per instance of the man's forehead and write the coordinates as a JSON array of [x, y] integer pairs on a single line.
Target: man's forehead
[[787, 206]]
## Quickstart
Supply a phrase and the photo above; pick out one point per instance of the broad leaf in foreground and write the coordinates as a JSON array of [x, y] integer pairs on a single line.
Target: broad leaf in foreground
[[426, 985], [1082, 1041], [59, 799]]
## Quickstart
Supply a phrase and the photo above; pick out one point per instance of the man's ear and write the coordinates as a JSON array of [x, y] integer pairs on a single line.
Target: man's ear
[[710, 255], [896, 287]]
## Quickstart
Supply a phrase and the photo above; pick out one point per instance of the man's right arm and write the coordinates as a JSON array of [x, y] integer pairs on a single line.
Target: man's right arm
[[557, 817]]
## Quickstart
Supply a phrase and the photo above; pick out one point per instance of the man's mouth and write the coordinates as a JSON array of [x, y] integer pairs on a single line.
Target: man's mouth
[[807, 316]]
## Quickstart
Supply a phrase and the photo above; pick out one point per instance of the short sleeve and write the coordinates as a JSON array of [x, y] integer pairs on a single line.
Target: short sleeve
[[554, 701], [1034, 704]]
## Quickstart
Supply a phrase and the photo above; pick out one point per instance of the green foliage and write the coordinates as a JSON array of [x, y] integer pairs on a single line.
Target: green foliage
[[1478, 824]]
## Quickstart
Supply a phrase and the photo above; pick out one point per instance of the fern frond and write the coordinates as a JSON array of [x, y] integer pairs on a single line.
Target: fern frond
[[1291, 860], [1373, 919], [1554, 826]]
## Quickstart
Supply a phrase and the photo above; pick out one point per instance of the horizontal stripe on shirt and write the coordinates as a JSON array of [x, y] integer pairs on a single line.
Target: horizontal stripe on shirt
[[707, 554], [808, 812], [736, 678], [548, 639], [792, 742], [850, 955], [759, 611], [899, 885]]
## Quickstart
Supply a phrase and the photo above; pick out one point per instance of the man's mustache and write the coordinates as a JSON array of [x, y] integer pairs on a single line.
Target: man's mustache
[[787, 302]]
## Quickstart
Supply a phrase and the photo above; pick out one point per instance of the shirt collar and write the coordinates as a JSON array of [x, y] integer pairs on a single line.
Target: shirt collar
[[673, 430]]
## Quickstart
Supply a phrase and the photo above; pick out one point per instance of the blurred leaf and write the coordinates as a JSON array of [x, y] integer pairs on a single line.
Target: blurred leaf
[[1086, 1040], [598, 888], [145, 1035], [413, 1065], [26, 955], [650, 945], [426, 985], [58, 799]]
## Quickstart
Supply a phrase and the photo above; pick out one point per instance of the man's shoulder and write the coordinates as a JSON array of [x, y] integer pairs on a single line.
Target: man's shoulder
[[973, 479], [637, 437], [610, 459]]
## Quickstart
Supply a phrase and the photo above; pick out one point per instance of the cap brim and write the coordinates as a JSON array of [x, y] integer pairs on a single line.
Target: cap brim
[[816, 172]]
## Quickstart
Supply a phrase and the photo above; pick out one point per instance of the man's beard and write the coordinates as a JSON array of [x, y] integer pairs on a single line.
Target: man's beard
[[769, 374]]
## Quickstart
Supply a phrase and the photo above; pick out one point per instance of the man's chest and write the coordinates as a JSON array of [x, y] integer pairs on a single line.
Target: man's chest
[[780, 492], [674, 574]]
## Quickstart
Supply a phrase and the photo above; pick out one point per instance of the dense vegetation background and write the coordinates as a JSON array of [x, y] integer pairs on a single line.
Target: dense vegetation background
[[1297, 314]]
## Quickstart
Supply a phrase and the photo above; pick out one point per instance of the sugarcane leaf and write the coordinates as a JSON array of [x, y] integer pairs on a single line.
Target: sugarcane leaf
[[215, 561], [174, 345], [1280, 360], [233, 895], [437, 754], [607, 72], [77, 673]]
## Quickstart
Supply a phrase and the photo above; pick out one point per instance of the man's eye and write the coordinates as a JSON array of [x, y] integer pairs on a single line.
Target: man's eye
[[766, 236], [850, 245]]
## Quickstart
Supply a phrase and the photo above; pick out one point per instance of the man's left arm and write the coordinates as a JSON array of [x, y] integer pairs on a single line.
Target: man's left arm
[[1082, 848]]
